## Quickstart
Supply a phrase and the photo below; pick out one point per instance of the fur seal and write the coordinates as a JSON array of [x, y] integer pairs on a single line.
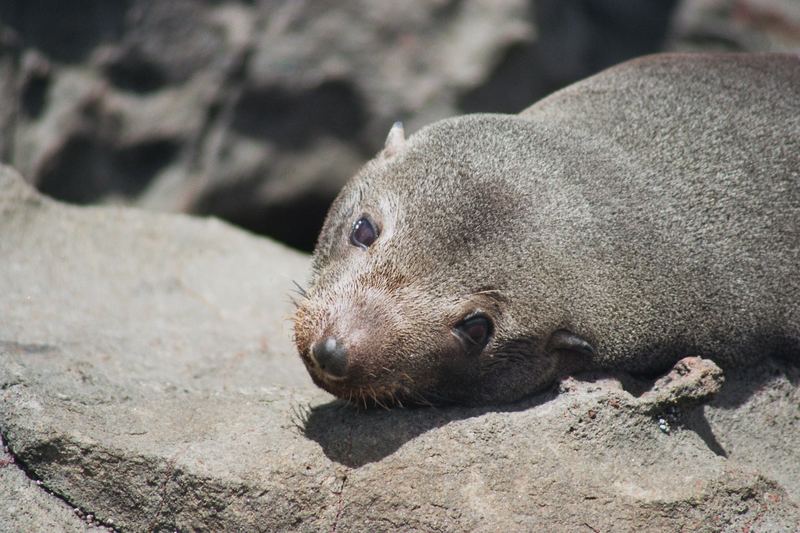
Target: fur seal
[[647, 213]]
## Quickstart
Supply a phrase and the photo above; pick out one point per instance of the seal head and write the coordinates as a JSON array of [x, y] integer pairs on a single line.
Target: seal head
[[409, 302]]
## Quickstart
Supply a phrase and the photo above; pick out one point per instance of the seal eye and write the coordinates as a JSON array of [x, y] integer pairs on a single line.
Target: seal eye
[[474, 330], [363, 233]]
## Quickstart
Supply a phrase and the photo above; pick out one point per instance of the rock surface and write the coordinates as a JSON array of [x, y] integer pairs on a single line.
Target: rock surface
[[147, 378], [26, 506], [736, 26]]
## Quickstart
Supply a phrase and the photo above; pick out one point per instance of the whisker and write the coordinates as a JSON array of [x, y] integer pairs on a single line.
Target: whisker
[[300, 289], [489, 291], [420, 399], [376, 400], [397, 397]]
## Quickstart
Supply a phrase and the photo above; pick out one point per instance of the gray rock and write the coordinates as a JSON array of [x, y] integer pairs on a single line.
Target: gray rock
[[147, 377], [26, 506], [692, 381], [736, 25]]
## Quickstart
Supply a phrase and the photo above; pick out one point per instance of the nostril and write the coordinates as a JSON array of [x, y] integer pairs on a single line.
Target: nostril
[[331, 356]]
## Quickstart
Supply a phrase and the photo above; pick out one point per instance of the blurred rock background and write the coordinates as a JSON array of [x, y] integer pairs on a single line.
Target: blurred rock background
[[258, 111]]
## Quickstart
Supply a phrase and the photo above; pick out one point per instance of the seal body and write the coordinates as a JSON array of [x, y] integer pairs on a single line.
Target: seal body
[[647, 213]]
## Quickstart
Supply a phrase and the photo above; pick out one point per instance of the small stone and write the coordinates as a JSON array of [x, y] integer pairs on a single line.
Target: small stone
[[692, 381]]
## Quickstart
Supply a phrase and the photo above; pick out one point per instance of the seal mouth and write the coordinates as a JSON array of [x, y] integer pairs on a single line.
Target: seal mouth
[[386, 396], [395, 394]]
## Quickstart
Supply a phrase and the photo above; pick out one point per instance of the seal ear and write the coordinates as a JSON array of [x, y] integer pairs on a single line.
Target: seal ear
[[395, 141], [562, 340]]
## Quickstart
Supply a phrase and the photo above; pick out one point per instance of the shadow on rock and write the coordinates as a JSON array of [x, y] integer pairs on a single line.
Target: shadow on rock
[[697, 421], [354, 437], [744, 382]]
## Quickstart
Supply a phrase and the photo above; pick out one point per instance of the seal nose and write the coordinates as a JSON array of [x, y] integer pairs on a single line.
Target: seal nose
[[331, 356]]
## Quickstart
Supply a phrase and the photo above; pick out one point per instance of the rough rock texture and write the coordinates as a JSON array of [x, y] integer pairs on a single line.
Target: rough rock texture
[[26, 506], [147, 377], [252, 111], [736, 25]]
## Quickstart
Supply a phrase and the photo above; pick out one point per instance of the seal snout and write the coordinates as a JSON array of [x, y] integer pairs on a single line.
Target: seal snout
[[330, 355], [357, 340]]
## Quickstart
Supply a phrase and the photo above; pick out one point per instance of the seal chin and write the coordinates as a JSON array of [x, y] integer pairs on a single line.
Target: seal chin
[[369, 396], [360, 394]]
